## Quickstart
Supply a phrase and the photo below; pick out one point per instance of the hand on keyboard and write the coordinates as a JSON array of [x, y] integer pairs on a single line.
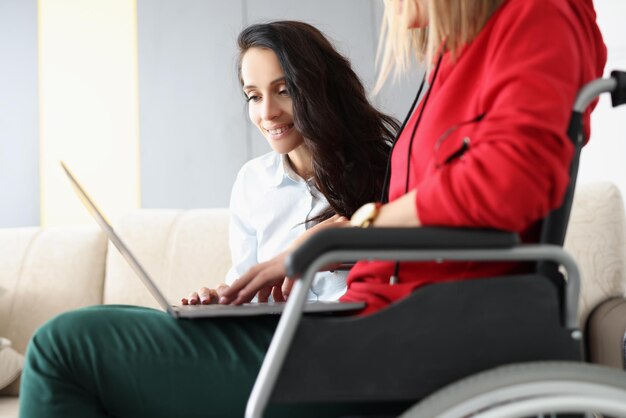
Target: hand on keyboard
[[205, 296]]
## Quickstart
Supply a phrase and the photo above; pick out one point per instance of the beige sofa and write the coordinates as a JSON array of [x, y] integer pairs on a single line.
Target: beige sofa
[[47, 271]]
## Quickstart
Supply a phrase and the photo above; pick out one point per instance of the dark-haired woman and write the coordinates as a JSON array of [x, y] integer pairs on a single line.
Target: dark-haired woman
[[329, 153], [328, 157]]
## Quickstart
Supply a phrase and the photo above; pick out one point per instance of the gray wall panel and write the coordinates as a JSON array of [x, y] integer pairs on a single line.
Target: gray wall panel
[[193, 136], [19, 120]]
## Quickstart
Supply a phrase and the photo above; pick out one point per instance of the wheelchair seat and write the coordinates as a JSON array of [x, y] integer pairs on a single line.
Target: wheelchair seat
[[451, 328]]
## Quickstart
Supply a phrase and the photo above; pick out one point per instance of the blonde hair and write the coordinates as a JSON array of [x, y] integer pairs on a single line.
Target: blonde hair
[[452, 24]]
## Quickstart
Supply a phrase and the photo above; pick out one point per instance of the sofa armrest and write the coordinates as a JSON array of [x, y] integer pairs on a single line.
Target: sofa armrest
[[606, 329]]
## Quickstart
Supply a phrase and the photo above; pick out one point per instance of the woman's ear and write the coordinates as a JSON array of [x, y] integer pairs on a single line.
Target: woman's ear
[[399, 6], [416, 13]]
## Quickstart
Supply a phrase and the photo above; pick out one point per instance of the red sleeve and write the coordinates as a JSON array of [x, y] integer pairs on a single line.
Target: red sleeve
[[516, 167]]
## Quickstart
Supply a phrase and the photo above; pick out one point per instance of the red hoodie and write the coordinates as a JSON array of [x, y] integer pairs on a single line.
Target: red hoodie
[[521, 73]]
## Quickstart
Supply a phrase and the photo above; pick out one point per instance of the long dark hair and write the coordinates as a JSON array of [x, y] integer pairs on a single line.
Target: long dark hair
[[348, 138]]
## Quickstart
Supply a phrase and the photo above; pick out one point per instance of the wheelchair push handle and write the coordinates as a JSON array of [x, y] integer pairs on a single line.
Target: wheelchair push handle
[[618, 95], [615, 84], [555, 224]]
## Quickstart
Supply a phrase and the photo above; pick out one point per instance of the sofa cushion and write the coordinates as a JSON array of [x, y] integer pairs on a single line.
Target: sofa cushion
[[181, 250], [596, 237], [9, 407]]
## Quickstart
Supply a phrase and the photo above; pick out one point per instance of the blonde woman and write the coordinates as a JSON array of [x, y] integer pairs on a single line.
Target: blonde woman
[[485, 147]]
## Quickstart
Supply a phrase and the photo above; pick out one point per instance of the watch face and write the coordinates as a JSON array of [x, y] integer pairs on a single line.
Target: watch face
[[363, 215]]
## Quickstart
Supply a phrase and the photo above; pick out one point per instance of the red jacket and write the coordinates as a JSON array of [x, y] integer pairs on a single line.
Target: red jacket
[[522, 72]]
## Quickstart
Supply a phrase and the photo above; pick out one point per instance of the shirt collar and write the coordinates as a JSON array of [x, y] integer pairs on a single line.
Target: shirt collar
[[285, 172]]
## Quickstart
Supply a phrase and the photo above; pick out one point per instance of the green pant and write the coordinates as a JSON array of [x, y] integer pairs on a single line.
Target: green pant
[[124, 361]]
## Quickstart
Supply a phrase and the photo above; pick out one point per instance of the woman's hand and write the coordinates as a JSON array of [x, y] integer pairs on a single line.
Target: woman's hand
[[335, 221], [205, 296], [270, 276], [401, 213], [262, 278], [276, 292]]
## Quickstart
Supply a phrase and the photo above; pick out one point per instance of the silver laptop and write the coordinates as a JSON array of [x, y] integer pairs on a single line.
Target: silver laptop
[[193, 311]]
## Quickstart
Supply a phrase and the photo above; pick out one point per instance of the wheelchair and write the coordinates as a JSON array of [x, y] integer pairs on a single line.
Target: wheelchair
[[495, 347]]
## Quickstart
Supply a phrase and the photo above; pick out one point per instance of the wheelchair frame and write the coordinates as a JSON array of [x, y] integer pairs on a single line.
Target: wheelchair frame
[[497, 246]]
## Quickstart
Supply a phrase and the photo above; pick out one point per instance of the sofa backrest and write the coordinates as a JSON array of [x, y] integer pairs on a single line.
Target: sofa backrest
[[182, 250], [46, 271], [596, 237]]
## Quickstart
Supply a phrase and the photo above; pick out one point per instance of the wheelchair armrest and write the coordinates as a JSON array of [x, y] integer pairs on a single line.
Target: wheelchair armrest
[[433, 238]]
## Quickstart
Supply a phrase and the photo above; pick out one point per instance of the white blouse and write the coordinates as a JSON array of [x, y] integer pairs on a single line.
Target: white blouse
[[268, 206]]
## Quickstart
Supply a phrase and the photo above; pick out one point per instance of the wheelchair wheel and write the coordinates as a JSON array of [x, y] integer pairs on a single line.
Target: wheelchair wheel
[[530, 389]]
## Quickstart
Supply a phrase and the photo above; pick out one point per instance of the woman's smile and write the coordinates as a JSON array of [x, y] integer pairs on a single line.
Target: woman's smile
[[278, 132]]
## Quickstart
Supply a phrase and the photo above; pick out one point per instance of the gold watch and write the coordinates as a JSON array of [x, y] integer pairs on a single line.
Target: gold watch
[[365, 215]]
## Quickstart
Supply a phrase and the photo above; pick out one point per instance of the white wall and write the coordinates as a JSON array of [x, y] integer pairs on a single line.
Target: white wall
[[604, 157], [19, 141]]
